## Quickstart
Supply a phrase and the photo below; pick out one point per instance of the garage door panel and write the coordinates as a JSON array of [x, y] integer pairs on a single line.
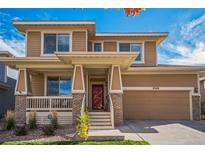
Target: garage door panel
[[156, 105]]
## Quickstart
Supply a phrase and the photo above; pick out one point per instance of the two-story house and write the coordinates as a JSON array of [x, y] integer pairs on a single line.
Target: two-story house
[[70, 68], [7, 87]]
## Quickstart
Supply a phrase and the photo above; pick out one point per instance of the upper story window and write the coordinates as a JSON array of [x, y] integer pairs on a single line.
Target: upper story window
[[97, 47], [3, 73], [133, 47], [56, 42]]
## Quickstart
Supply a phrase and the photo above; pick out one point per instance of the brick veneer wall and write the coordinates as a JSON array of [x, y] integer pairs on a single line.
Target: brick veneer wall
[[196, 107], [77, 103], [20, 110], [118, 108]]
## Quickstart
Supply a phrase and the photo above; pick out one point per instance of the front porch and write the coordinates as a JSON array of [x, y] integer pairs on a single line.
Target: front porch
[[89, 90]]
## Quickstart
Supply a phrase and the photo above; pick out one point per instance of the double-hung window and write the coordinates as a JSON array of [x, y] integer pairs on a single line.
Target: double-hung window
[[133, 47], [56, 42], [97, 47], [58, 86]]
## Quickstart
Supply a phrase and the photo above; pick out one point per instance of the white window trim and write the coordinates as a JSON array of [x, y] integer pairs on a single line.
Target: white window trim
[[55, 32], [132, 42], [93, 46], [58, 76]]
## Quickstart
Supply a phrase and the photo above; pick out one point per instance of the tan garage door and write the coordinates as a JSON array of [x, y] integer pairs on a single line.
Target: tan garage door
[[156, 105]]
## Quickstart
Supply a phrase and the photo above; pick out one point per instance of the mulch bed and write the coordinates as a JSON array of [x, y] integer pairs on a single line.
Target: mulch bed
[[61, 134]]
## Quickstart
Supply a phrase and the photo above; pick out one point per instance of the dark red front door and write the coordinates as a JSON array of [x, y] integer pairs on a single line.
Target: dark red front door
[[97, 97]]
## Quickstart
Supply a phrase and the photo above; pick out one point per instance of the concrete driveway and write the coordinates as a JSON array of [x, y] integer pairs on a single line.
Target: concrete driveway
[[166, 132]]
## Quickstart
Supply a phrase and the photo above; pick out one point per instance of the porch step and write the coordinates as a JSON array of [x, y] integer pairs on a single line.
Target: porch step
[[100, 120]]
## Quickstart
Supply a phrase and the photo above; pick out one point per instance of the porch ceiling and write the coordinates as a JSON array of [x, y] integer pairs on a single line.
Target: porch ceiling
[[104, 58]]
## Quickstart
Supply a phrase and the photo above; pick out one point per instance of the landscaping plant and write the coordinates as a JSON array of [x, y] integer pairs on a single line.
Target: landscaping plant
[[32, 123], [54, 120], [83, 126], [10, 121], [20, 130], [48, 130]]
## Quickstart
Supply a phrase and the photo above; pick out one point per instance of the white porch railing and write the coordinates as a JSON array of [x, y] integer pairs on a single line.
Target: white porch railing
[[111, 111], [51, 103], [44, 105]]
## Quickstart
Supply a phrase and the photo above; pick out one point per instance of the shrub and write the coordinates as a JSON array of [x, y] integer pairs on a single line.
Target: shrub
[[54, 120], [48, 130], [203, 117], [32, 120], [83, 126], [20, 130], [10, 122]]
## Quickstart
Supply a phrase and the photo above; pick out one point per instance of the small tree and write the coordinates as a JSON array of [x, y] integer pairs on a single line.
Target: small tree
[[54, 120], [32, 123], [83, 126], [10, 121]]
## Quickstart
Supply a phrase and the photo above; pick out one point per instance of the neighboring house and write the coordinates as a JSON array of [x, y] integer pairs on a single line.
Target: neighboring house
[[7, 87], [69, 68], [202, 91]]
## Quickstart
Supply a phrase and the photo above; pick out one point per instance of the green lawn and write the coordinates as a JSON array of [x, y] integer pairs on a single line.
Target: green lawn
[[125, 142]]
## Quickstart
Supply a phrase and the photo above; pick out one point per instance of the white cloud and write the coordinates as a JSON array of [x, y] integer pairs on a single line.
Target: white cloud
[[186, 43], [16, 47]]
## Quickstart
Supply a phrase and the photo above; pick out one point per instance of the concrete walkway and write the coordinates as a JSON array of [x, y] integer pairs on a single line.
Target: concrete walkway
[[156, 132]]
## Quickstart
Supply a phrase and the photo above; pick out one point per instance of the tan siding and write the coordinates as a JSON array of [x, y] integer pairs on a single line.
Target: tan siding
[[33, 44], [89, 46], [156, 105], [21, 82], [150, 53], [78, 83], [79, 41], [202, 90], [116, 79], [110, 46], [164, 80], [37, 83]]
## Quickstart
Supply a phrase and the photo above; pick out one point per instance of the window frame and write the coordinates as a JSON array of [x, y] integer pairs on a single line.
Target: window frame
[[55, 32], [133, 42], [102, 46], [46, 76]]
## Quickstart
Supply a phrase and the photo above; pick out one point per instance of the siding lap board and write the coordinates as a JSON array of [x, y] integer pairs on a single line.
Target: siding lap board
[[33, 44], [79, 41]]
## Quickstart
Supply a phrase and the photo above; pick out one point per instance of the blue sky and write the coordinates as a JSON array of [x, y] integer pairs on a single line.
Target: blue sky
[[185, 44]]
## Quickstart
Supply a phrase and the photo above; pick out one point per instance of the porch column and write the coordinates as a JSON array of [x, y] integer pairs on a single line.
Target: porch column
[[116, 94], [23, 88], [196, 107], [78, 91]]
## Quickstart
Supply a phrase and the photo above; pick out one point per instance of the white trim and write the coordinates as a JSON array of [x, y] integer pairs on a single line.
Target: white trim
[[111, 80], [159, 89], [26, 45], [133, 42], [55, 32], [102, 46], [59, 76], [53, 22], [132, 34]]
